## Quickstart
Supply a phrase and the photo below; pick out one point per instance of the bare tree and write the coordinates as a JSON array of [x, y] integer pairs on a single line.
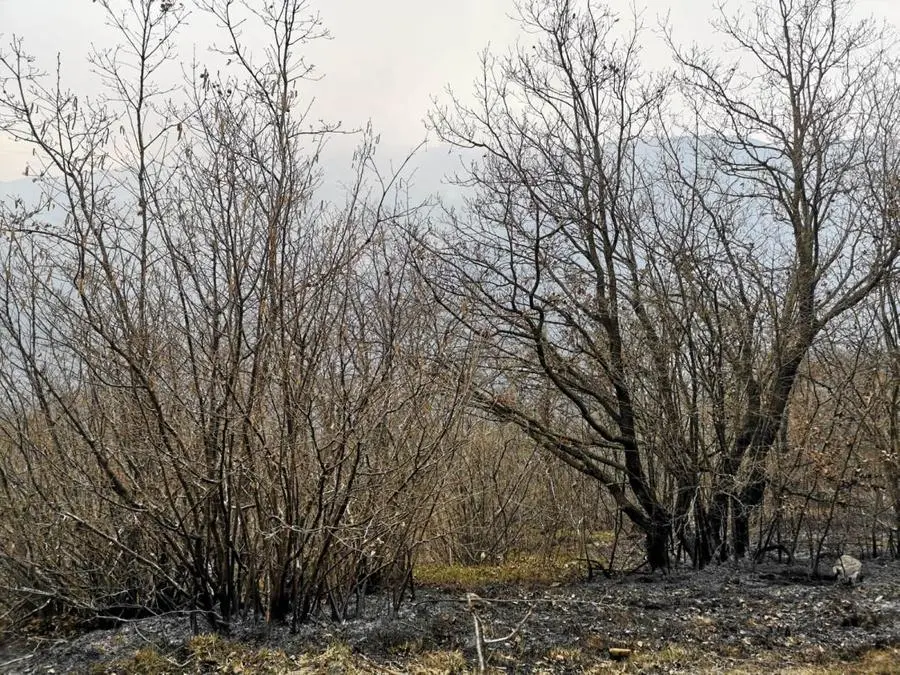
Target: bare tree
[[648, 273], [802, 131], [547, 253]]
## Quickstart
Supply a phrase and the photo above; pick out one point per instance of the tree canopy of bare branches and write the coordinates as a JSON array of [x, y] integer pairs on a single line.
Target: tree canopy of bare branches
[[647, 259]]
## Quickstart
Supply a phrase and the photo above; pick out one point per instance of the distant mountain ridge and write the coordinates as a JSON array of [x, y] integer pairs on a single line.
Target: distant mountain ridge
[[426, 175]]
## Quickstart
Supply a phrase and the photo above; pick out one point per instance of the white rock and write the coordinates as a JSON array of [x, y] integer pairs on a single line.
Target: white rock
[[847, 568]]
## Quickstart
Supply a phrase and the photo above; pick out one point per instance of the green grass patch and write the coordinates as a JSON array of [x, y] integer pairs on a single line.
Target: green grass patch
[[528, 570]]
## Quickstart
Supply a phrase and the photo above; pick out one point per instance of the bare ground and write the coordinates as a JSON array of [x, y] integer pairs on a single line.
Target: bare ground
[[723, 619]]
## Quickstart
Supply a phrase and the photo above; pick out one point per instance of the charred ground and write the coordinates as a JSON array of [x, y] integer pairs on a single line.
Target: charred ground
[[722, 619]]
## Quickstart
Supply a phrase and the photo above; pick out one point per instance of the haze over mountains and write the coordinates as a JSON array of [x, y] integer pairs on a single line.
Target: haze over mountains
[[425, 176]]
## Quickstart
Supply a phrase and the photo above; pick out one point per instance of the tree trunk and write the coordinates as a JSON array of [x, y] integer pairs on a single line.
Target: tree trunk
[[707, 540], [717, 527], [659, 535], [657, 528], [750, 499]]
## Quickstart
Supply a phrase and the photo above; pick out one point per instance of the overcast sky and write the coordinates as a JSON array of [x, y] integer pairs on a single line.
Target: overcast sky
[[386, 60]]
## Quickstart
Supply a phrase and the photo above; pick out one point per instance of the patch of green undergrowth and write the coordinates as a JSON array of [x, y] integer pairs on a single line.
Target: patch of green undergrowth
[[520, 570]]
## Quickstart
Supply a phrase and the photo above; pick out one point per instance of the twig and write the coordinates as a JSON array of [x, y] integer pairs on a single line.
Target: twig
[[21, 658], [377, 666], [480, 641], [514, 630]]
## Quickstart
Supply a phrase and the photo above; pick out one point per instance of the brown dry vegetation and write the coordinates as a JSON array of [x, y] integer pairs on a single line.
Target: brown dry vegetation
[[661, 334]]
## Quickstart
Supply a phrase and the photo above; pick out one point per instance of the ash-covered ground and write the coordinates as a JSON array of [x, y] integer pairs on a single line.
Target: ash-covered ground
[[724, 618]]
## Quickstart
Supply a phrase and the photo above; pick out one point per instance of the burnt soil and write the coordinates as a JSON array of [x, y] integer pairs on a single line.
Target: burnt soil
[[725, 618]]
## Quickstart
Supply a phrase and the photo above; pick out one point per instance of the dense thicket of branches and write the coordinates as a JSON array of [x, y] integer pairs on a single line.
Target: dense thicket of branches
[[218, 393], [221, 394]]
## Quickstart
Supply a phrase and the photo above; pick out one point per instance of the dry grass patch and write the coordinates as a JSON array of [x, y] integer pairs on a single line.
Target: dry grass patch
[[565, 656], [211, 653], [877, 662], [432, 663], [679, 659], [146, 661], [871, 662]]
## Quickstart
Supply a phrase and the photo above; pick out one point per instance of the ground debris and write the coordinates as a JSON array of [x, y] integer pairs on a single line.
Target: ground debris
[[721, 619]]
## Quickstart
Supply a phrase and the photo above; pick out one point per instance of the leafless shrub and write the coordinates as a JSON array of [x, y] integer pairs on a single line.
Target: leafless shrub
[[219, 395]]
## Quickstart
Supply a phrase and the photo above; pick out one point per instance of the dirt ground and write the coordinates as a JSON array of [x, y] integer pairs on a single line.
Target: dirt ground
[[723, 619]]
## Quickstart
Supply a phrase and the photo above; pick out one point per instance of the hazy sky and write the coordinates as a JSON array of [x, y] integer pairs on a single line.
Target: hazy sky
[[386, 60]]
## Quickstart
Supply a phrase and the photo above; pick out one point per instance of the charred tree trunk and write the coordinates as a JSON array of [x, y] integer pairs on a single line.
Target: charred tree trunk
[[659, 537]]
